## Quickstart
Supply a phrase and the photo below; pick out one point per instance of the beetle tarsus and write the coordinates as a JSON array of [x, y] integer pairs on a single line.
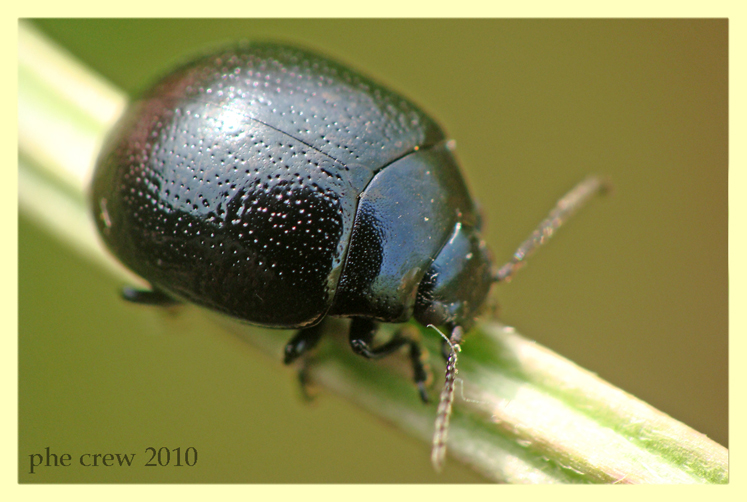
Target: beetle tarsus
[[362, 332], [148, 297]]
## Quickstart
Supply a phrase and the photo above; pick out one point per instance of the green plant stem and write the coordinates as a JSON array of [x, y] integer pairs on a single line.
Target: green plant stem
[[522, 414]]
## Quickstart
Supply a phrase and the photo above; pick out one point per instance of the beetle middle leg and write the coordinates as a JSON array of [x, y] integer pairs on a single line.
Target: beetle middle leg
[[362, 332]]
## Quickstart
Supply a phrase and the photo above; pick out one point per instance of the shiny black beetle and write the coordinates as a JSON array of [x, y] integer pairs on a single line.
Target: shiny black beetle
[[279, 187]]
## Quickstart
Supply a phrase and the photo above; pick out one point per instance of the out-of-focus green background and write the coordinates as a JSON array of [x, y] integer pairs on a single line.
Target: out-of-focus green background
[[634, 288]]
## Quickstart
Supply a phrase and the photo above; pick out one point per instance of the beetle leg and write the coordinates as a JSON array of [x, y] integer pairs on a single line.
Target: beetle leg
[[153, 297], [305, 340], [362, 332]]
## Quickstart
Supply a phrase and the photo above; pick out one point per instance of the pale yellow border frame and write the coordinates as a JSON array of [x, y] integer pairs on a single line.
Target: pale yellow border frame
[[731, 9]]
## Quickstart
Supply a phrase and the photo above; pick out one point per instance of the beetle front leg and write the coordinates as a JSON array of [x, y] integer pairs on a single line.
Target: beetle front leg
[[362, 332]]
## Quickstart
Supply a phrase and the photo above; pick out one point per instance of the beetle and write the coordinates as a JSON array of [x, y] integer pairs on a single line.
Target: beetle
[[279, 187]]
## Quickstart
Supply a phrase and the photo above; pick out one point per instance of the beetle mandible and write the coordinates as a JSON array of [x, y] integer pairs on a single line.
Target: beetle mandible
[[279, 187]]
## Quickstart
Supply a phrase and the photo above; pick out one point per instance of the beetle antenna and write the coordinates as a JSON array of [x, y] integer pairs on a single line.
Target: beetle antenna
[[564, 209], [443, 416]]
